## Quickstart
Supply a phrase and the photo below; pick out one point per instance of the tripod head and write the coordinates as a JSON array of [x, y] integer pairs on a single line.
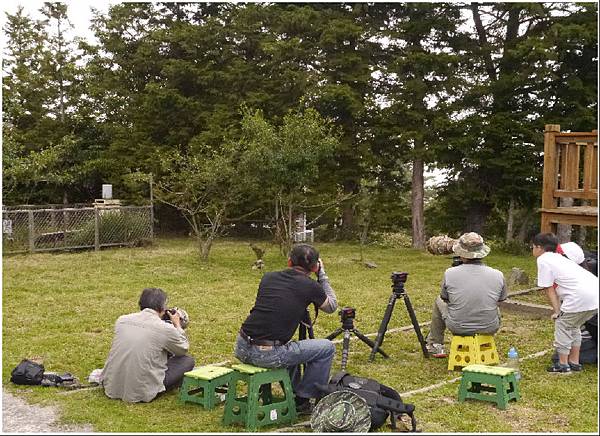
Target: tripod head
[[347, 315], [398, 280]]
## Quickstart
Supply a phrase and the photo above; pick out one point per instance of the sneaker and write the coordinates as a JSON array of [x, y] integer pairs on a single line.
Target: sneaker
[[557, 368], [436, 350], [576, 366]]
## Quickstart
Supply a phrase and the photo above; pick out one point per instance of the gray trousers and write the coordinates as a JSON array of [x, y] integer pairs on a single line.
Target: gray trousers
[[567, 329], [176, 367], [439, 314]]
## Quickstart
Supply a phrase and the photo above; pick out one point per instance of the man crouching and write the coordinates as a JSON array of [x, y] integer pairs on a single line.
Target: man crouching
[[148, 355]]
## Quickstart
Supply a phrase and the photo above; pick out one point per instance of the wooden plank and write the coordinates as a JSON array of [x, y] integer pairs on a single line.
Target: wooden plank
[[580, 220], [538, 310], [572, 175], [574, 210], [565, 137], [550, 167], [563, 167], [577, 193]]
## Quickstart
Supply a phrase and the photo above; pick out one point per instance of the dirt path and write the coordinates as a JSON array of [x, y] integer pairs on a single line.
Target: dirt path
[[20, 417]]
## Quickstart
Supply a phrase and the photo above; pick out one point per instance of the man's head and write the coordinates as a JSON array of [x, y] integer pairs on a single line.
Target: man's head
[[471, 246], [304, 256], [153, 298], [543, 242]]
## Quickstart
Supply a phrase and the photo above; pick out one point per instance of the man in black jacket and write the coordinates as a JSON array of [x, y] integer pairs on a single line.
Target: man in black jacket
[[265, 338]]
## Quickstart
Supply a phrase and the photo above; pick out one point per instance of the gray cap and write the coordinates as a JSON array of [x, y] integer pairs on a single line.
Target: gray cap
[[341, 411], [471, 246]]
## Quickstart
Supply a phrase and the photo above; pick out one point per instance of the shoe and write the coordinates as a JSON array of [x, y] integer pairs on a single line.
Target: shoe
[[576, 367], [436, 350], [303, 406], [557, 368]]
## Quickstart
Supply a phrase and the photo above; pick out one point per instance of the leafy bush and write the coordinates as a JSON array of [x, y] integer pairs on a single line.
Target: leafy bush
[[514, 247], [392, 239], [116, 227]]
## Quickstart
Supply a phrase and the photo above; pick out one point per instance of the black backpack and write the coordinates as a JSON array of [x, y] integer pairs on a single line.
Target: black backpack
[[383, 401], [27, 373]]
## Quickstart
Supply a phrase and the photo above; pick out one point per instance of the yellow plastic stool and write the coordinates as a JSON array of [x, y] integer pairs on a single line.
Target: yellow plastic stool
[[469, 350]]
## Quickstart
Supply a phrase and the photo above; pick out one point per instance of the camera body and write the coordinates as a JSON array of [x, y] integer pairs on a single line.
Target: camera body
[[347, 313], [166, 317], [183, 316], [456, 261]]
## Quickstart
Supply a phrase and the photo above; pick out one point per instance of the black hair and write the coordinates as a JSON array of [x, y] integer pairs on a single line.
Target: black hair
[[548, 241], [304, 256], [153, 298]]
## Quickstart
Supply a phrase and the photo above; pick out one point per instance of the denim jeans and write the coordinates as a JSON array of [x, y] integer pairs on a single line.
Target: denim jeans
[[316, 354]]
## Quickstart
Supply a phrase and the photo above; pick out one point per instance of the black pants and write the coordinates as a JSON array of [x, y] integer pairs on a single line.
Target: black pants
[[176, 367]]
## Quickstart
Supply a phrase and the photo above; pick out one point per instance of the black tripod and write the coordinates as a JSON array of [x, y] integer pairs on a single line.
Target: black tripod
[[398, 280], [347, 315]]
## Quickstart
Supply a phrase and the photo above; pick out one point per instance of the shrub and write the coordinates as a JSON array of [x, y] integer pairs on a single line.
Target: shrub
[[392, 239]]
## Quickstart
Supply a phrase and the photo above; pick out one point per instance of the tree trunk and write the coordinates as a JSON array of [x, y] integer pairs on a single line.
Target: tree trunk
[[205, 246], [564, 231], [523, 229], [347, 229], [417, 195], [510, 221], [477, 217]]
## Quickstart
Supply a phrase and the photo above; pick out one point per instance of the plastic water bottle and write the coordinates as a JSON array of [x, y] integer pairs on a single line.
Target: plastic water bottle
[[513, 361]]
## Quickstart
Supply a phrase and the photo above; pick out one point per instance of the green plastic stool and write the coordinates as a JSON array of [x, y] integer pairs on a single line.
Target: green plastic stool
[[489, 383], [205, 385], [259, 407]]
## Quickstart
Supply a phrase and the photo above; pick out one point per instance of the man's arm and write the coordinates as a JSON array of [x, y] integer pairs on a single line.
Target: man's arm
[[330, 303], [554, 300], [177, 342]]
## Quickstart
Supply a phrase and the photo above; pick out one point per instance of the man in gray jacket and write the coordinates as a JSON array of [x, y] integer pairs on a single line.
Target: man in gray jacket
[[468, 301], [148, 355]]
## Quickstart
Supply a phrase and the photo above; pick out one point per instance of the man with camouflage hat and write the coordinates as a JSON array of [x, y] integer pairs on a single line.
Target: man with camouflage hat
[[468, 301]]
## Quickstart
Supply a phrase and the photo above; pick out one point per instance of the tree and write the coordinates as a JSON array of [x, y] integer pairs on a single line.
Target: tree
[[284, 162]]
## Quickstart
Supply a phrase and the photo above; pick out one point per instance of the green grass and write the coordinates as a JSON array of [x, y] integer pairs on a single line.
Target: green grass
[[62, 307]]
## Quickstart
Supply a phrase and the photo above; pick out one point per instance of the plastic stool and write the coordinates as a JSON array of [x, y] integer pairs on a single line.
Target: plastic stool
[[469, 350], [258, 407], [205, 385], [489, 383]]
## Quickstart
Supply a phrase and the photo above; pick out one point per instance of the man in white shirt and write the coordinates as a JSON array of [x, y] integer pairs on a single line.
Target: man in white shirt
[[573, 294]]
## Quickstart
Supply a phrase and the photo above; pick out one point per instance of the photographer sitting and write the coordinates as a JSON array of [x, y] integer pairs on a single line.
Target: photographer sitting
[[281, 302], [468, 302], [148, 354]]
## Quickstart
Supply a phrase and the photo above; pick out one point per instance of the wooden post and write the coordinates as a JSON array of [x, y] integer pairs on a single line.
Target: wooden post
[[550, 168], [31, 229], [96, 229], [151, 210]]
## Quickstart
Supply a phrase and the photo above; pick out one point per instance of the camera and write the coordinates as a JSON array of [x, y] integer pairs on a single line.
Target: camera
[[347, 313], [399, 277], [166, 317], [183, 316], [456, 261]]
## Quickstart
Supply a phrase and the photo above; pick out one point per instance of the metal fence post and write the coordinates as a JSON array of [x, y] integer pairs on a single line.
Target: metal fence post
[[96, 229], [31, 228]]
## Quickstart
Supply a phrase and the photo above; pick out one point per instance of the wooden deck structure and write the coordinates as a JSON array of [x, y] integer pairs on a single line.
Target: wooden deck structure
[[570, 171]]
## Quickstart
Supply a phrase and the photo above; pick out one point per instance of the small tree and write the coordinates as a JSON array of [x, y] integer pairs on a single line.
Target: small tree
[[204, 187], [286, 160]]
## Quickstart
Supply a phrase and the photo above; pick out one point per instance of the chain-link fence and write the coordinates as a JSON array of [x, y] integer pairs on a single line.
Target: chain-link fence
[[36, 230]]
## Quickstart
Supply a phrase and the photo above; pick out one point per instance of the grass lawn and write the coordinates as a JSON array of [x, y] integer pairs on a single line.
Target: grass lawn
[[62, 307]]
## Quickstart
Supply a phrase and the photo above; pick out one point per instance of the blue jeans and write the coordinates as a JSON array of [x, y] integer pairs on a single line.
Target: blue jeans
[[316, 354]]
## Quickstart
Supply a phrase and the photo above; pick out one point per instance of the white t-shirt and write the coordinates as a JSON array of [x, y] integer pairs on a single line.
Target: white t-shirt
[[576, 286]]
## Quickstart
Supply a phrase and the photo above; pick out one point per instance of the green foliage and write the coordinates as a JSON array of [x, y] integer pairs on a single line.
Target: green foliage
[[115, 227], [392, 240]]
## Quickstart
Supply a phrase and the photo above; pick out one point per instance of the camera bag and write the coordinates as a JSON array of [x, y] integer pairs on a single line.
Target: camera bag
[[27, 373], [383, 401]]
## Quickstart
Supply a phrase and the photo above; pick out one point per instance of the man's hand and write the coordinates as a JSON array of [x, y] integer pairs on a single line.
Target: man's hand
[[554, 316], [320, 266], [175, 318]]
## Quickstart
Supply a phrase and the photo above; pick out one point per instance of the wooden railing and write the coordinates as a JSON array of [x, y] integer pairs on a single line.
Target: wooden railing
[[570, 171]]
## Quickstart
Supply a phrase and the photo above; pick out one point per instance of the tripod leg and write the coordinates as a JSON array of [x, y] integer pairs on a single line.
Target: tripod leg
[[383, 327], [415, 323], [334, 334], [345, 349], [369, 342]]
